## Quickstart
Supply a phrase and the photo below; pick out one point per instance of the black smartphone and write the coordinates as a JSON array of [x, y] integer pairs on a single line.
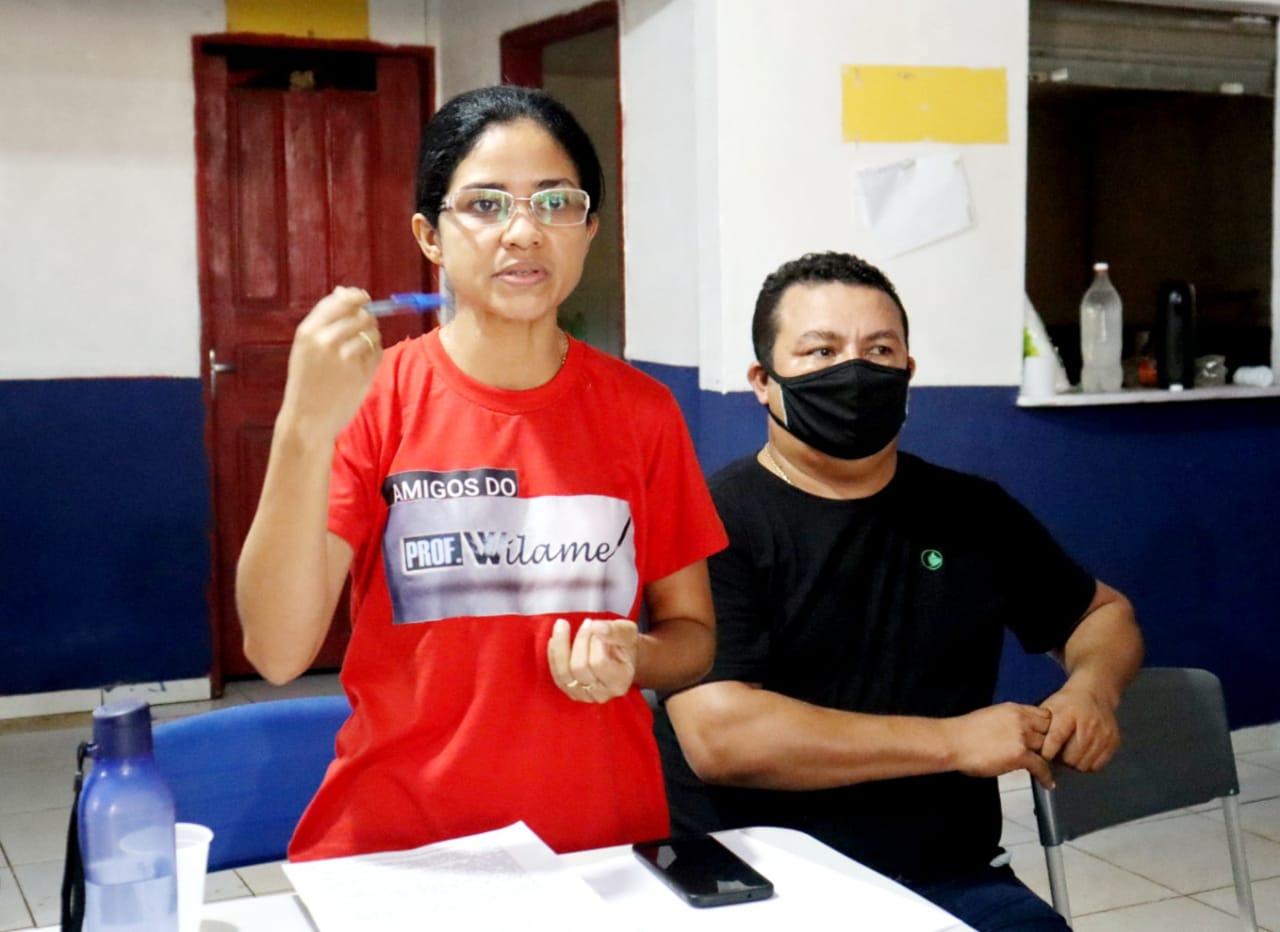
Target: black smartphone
[[703, 872]]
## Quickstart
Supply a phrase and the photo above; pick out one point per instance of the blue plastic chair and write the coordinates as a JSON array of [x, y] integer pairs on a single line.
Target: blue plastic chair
[[248, 771]]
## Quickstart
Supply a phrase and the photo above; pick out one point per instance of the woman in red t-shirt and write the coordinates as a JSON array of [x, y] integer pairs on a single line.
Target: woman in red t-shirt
[[498, 492]]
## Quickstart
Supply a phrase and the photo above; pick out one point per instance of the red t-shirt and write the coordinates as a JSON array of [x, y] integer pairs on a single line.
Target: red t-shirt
[[478, 516]]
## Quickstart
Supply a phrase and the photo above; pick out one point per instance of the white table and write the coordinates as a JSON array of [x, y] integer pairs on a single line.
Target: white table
[[794, 842], [279, 912], [284, 912]]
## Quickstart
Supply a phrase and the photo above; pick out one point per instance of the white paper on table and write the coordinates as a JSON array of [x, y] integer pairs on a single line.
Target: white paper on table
[[505, 879], [807, 896], [911, 203]]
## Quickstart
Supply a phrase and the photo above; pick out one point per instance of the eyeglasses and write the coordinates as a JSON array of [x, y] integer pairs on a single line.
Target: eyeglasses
[[554, 207]]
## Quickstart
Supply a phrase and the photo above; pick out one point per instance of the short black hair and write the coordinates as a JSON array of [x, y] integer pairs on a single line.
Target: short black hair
[[451, 134], [840, 267]]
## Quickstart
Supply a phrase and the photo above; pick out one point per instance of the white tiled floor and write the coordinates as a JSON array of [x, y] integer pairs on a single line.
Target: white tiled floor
[[1165, 874]]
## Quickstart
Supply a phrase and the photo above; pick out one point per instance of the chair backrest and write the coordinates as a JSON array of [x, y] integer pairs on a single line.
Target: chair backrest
[[248, 771], [1175, 751]]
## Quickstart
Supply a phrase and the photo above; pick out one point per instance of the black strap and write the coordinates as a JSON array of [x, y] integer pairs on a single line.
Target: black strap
[[73, 872]]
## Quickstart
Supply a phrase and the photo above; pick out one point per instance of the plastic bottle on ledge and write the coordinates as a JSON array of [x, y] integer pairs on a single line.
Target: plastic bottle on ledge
[[126, 821], [1101, 334]]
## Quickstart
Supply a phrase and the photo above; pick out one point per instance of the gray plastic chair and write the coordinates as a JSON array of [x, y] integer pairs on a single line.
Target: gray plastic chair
[[1175, 751]]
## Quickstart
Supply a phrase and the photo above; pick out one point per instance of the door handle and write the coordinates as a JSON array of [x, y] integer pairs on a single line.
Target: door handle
[[216, 368]]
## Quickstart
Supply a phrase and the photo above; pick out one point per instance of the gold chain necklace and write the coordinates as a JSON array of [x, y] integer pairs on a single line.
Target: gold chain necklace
[[777, 466]]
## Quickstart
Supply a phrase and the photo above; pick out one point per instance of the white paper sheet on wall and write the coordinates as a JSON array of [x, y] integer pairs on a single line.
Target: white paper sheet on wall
[[914, 202]]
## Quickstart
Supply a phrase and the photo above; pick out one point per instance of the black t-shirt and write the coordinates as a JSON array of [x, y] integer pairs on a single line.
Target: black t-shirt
[[891, 604]]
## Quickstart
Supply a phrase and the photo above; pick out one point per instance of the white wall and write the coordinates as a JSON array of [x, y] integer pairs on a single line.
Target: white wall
[[402, 22], [668, 114], [97, 187], [470, 32], [734, 163], [97, 182], [786, 184]]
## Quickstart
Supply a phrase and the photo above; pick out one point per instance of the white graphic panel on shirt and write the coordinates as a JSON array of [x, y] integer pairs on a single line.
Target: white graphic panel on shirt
[[463, 544]]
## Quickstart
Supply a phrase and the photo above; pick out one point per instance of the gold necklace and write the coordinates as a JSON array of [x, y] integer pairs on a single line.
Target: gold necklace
[[777, 466], [564, 345]]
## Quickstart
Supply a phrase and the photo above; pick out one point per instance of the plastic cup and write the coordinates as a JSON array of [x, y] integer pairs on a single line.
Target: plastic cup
[[192, 844], [1039, 376]]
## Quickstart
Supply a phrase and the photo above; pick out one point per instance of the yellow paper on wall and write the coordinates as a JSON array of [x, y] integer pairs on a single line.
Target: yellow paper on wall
[[315, 19], [900, 103]]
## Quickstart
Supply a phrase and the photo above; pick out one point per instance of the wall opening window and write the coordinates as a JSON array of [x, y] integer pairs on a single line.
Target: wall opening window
[[583, 73], [574, 57], [1150, 146]]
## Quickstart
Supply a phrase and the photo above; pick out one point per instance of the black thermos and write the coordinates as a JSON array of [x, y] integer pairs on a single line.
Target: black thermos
[[1176, 335]]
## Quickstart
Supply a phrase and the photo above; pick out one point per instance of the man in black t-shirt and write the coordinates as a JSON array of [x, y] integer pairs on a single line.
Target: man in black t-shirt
[[860, 609]]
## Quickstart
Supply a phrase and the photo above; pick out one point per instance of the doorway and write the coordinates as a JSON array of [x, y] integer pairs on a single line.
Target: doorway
[[306, 157], [574, 57]]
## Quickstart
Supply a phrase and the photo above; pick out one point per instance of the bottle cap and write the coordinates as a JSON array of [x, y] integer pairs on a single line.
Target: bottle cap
[[1100, 266], [122, 729]]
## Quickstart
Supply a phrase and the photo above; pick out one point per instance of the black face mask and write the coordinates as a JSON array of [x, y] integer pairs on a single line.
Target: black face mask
[[850, 410]]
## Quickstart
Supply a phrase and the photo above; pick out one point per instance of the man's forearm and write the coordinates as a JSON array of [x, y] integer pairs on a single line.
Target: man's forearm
[[1105, 651], [743, 736]]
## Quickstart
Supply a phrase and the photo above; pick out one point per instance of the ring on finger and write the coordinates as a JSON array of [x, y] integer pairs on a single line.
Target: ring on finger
[[364, 335]]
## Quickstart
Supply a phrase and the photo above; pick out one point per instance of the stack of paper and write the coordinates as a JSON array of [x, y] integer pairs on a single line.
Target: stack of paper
[[509, 879], [506, 879]]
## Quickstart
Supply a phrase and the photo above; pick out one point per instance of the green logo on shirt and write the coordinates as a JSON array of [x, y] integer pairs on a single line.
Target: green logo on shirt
[[931, 559]]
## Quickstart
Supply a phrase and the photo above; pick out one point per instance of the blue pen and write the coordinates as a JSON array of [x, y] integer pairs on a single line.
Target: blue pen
[[410, 302]]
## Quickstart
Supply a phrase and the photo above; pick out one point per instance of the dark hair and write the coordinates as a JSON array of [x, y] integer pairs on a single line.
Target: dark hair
[[451, 133], [812, 267]]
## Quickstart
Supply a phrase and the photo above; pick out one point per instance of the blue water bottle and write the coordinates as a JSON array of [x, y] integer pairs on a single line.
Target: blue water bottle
[[126, 827]]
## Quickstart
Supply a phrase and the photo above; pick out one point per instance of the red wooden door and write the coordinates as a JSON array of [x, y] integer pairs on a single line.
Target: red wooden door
[[306, 163]]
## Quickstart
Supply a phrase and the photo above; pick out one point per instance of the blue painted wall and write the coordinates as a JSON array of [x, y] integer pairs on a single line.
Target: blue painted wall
[[104, 533], [105, 519], [1176, 505]]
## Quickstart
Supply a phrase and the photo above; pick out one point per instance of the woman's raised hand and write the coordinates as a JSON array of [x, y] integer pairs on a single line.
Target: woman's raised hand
[[335, 352], [600, 663]]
